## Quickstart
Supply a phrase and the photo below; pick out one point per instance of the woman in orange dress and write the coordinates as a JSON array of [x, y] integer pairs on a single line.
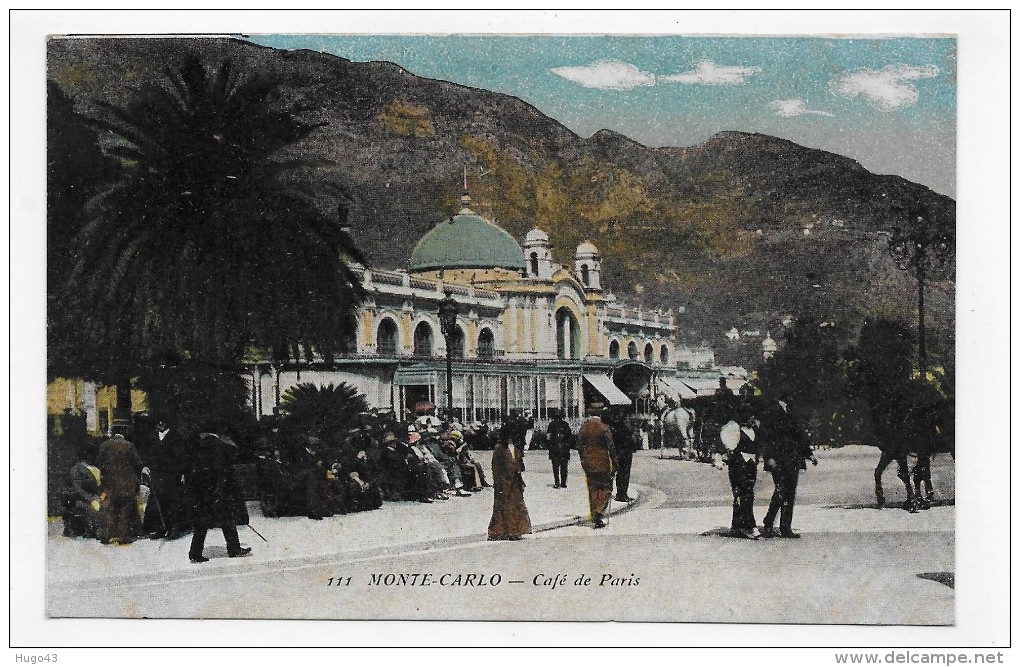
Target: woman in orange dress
[[510, 517]]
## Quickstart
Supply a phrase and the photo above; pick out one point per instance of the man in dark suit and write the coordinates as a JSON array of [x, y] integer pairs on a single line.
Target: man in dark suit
[[166, 457], [215, 495], [623, 438], [560, 439], [785, 450]]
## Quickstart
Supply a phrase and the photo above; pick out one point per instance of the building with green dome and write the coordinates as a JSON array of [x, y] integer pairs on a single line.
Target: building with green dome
[[531, 335]]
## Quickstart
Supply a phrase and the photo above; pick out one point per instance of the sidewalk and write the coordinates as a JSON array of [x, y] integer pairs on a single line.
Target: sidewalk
[[397, 527]]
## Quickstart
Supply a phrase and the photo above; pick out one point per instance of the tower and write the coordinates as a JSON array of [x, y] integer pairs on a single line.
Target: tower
[[588, 265], [538, 255]]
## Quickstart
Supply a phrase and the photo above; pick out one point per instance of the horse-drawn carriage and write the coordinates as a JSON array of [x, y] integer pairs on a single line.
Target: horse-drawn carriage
[[692, 427]]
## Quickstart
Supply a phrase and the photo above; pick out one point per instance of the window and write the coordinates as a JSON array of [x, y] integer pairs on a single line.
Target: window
[[423, 340], [486, 344], [457, 343], [534, 264], [386, 338], [568, 335], [664, 355], [649, 353], [632, 352], [614, 349], [584, 274]]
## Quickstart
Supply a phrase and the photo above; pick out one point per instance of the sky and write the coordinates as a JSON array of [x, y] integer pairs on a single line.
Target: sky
[[888, 103]]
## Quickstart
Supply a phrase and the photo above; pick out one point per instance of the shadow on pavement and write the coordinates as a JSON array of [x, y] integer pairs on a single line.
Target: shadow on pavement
[[946, 578], [950, 502]]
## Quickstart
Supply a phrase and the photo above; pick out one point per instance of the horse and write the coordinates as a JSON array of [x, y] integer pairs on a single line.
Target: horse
[[917, 424], [679, 427]]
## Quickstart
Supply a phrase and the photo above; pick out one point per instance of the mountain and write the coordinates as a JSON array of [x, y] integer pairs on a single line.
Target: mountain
[[741, 230]]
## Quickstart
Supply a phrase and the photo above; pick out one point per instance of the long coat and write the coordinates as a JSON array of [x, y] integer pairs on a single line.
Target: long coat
[[215, 495], [510, 517], [595, 447], [120, 469]]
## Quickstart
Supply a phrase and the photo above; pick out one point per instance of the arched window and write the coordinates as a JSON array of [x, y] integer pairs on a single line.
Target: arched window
[[649, 353], [386, 338], [486, 344], [584, 274], [664, 355], [457, 343], [632, 352], [534, 264], [423, 340], [568, 335], [614, 349]]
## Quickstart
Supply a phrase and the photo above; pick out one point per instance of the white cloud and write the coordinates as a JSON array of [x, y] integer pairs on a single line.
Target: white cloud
[[607, 74], [886, 89], [707, 72], [795, 107]]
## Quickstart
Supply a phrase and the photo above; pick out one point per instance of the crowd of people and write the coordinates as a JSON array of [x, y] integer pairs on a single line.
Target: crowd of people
[[166, 484]]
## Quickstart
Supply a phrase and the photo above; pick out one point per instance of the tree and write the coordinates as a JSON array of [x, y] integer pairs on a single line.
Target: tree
[[76, 170], [806, 373], [212, 240], [325, 412]]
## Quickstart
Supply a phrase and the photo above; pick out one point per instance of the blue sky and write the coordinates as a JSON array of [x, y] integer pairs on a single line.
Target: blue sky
[[888, 103]]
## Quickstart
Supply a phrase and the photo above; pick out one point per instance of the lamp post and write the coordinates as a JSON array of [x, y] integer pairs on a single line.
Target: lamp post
[[924, 249], [448, 324]]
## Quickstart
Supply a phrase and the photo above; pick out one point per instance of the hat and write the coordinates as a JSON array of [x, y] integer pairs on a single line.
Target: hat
[[456, 435], [413, 437], [389, 436]]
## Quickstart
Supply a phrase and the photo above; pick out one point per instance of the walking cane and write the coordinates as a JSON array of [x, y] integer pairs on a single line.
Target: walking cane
[[257, 533], [154, 499]]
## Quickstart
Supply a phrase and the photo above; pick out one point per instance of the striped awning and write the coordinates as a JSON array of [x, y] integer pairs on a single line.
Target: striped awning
[[676, 388], [609, 391]]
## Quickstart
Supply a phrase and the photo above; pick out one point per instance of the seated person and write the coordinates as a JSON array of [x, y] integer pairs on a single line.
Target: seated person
[[310, 475], [358, 475], [80, 498], [420, 458], [395, 478], [471, 471], [448, 459]]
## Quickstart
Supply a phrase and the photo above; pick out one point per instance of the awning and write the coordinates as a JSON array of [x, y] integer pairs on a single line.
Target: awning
[[676, 388], [609, 391], [418, 374]]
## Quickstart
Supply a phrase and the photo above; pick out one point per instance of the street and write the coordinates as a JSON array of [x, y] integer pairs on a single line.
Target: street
[[664, 558]]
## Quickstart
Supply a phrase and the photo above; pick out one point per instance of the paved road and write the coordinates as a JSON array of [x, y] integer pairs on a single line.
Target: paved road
[[663, 559]]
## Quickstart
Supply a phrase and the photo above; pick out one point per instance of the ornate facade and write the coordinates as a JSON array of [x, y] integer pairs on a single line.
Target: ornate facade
[[530, 334]]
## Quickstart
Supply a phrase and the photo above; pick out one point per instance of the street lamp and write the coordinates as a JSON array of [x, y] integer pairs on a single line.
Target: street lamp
[[448, 324], [925, 250]]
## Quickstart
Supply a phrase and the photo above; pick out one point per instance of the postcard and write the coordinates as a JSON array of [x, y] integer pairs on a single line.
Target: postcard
[[645, 328]]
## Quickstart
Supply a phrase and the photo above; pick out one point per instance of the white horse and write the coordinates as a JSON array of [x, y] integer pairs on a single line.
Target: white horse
[[678, 431]]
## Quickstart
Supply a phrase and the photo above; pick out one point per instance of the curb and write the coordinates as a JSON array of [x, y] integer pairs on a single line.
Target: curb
[[241, 566]]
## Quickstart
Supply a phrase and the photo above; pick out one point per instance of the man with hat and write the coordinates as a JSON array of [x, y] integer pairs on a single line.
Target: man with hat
[[623, 439], [598, 460], [786, 451], [215, 495], [560, 439]]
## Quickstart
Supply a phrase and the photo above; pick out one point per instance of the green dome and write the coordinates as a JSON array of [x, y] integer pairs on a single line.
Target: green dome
[[469, 242]]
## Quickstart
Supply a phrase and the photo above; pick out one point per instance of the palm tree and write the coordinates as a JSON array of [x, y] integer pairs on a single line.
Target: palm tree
[[212, 240], [325, 412]]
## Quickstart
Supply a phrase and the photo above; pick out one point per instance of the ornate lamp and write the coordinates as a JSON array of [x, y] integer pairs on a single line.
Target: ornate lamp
[[924, 249], [448, 325]]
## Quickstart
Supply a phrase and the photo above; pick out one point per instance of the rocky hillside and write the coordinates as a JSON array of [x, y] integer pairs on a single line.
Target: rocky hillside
[[741, 229]]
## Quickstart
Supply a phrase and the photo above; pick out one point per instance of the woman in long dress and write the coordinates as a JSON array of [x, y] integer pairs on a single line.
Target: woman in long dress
[[510, 517]]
